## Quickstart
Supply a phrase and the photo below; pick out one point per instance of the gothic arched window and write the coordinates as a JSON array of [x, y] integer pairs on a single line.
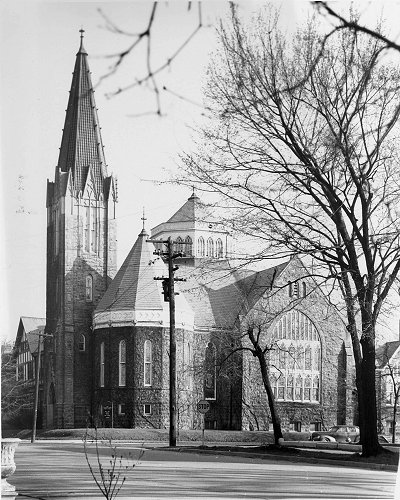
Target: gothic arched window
[[122, 364], [295, 364], [188, 245], [148, 363], [210, 247], [200, 247], [219, 249], [179, 244], [210, 367]]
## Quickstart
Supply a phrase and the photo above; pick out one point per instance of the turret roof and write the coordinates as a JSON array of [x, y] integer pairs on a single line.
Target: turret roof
[[190, 211], [81, 145], [134, 286]]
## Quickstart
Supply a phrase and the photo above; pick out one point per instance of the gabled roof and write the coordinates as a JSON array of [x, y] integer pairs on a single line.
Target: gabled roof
[[134, 286], [31, 326], [385, 352], [218, 296], [81, 144]]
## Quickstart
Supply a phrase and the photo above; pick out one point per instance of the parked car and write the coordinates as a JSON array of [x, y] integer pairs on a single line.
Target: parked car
[[339, 433], [381, 439]]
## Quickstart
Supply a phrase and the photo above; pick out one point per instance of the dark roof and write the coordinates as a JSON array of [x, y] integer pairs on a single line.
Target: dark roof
[[134, 286], [31, 326], [81, 145], [385, 352]]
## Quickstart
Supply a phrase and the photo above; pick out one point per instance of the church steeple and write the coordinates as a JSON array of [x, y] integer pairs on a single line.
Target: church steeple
[[81, 252], [81, 146]]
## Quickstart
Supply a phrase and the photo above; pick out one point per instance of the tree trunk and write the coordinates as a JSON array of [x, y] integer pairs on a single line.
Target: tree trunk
[[367, 396], [271, 400], [394, 421]]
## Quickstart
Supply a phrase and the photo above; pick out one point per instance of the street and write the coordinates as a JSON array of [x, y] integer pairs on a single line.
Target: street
[[59, 470]]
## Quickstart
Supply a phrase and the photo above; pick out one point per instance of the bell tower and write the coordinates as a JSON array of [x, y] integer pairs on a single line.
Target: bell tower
[[81, 254]]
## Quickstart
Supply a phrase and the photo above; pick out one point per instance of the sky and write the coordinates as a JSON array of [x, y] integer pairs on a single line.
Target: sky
[[38, 44]]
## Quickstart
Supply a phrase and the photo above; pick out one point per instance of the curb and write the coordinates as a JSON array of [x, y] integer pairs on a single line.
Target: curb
[[310, 460]]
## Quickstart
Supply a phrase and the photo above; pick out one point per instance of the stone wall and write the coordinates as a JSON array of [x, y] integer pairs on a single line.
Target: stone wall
[[335, 405], [135, 396]]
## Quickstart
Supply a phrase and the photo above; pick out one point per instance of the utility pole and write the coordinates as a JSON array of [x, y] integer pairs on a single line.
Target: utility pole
[[37, 381], [169, 296]]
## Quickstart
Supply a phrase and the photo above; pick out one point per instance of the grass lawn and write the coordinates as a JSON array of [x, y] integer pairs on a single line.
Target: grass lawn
[[261, 442]]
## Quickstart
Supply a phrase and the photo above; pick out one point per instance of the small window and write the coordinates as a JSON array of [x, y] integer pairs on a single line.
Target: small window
[[304, 287], [82, 343], [121, 409], [315, 426], [297, 426], [296, 289], [147, 409], [290, 289]]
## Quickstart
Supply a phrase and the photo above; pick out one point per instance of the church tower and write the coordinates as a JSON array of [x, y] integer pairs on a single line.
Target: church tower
[[81, 255]]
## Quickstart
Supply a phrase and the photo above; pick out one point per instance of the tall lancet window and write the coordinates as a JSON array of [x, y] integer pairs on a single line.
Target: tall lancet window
[[210, 247], [102, 365], [122, 364], [148, 362], [93, 229], [89, 288], [86, 227], [200, 247], [219, 249], [210, 372]]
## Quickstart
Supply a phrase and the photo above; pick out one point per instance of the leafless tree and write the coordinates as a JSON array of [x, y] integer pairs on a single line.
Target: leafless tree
[[145, 39], [16, 395], [303, 153]]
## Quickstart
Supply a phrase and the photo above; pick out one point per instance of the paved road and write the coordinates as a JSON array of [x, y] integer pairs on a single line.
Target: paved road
[[59, 470]]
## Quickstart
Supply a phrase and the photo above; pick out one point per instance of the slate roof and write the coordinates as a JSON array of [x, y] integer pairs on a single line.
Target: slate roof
[[134, 286], [31, 326], [385, 352], [219, 295], [81, 145], [189, 211]]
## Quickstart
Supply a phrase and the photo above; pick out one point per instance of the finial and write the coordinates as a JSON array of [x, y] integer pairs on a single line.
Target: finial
[[81, 48], [193, 196], [143, 218]]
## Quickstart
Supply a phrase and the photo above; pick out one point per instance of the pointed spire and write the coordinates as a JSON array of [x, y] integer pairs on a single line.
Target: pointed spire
[[81, 145]]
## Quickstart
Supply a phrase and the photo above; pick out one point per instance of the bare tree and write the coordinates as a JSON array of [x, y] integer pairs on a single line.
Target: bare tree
[[16, 393], [145, 38], [304, 154]]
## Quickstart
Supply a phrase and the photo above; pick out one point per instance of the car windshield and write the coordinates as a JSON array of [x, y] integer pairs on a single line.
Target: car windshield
[[335, 428]]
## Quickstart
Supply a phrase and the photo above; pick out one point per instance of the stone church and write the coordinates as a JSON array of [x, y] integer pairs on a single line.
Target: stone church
[[107, 360]]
